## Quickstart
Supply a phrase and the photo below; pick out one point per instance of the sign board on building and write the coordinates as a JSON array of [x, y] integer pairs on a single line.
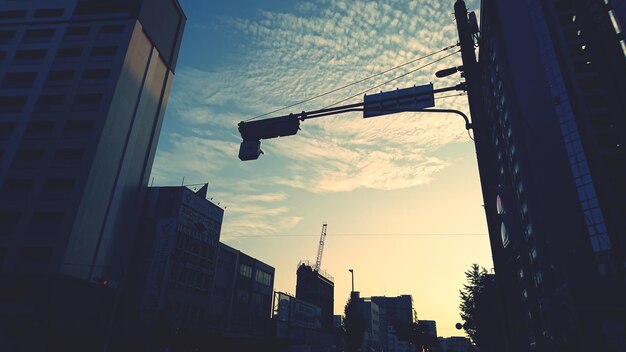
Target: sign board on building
[[399, 100]]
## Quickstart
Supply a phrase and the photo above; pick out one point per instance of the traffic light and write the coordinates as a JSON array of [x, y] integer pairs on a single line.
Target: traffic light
[[269, 128], [250, 150]]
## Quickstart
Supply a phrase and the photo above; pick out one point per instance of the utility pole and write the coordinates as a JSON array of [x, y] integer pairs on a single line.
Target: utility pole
[[468, 30]]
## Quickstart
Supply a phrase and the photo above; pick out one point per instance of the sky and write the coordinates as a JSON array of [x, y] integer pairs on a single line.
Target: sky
[[400, 193]]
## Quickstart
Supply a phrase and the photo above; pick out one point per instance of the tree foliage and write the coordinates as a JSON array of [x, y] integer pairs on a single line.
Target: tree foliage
[[353, 325], [480, 310], [470, 294]]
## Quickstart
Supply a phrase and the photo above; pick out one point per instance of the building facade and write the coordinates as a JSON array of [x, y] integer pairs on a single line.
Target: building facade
[[190, 290], [550, 144], [393, 312], [243, 294], [317, 288], [83, 90]]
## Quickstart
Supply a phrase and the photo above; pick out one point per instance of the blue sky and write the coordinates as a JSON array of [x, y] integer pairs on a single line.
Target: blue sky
[[400, 193]]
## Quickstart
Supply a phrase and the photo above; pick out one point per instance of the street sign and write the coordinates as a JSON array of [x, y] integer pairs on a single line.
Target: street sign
[[399, 100]]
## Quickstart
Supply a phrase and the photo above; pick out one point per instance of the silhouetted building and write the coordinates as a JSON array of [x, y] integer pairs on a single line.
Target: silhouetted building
[[371, 316], [393, 312], [455, 344], [318, 288], [428, 327], [553, 169], [242, 296], [83, 90], [173, 277]]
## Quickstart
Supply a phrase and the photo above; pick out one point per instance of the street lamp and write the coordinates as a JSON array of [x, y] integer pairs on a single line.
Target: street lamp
[[352, 272]]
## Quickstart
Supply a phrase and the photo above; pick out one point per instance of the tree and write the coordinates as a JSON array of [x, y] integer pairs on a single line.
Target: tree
[[480, 310], [417, 333], [353, 324]]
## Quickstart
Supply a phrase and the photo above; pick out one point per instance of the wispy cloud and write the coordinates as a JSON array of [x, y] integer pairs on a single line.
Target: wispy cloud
[[291, 56]]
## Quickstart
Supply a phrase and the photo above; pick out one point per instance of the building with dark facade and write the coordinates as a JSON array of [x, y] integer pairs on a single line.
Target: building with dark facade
[[242, 295], [174, 268], [393, 312], [316, 287], [189, 290], [83, 90], [371, 316], [551, 128]]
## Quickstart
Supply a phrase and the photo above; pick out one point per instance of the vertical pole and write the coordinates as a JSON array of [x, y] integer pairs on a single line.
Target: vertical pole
[[352, 272], [485, 151]]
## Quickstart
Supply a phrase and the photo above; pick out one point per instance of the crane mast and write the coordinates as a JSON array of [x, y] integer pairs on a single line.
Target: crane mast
[[320, 250]]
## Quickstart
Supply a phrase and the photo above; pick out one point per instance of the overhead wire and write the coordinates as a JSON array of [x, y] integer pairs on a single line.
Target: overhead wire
[[355, 82], [391, 80], [369, 235]]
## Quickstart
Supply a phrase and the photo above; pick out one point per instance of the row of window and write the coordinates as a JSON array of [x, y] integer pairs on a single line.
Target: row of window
[[38, 13], [55, 78], [43, 35], [189, 280], [64, 55], [30, 259], [42, 129], [12, 218], [185, 312], [260, 276], [51, 103]]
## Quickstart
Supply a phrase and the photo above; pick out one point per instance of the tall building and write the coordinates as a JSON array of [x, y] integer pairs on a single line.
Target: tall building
[[371, 316], [316, 287], [188, 289], [83, 90], [550, 125], [174, 268], [242, 295], [393, 313]]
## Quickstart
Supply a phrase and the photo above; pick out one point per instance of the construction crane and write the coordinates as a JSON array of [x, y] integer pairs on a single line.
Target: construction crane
[[320, 250]]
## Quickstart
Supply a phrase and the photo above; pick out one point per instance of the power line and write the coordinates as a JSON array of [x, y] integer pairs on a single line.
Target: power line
[[355, 82], [371, 235], [391, 80]]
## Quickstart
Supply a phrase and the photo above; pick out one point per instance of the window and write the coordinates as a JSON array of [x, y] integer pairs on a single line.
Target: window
[[76, 33], [29, 155], [6, 128], [46, 13], [263, 277], [78, 126], [69, 154], [110, 31], [96, 76], [6, 36], [245, 270], [12, 105], [12, 14], [34, 259], [17, 185], [103, 53], [39, 129], [60, 78], [86, 8], [243, 295], [38, 35], [90, 101], [68, 54], [48, 103], [29, 57], [9, 218], [48, 217], [19, 79]]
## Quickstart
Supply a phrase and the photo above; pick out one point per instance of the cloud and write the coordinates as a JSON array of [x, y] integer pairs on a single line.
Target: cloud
[[294, 55]]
